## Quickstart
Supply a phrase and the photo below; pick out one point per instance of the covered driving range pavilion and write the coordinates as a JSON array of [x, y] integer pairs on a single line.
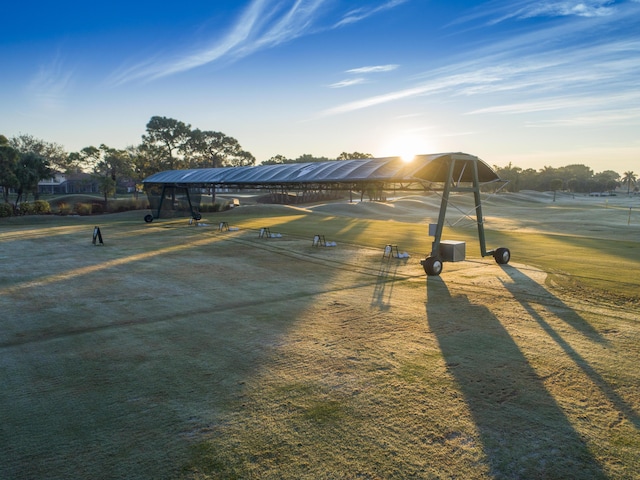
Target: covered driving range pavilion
[[450, 172]]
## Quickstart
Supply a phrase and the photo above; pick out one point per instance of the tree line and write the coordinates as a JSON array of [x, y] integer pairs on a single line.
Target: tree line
[[170, 144], [575, 178], [167, 144]]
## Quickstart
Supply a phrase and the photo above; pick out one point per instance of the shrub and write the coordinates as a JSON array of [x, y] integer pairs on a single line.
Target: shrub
[[117, 206], [27, 208], [83, 208], [41, 207], [6, 210], [64, 209], [97, 208], [215, 207]]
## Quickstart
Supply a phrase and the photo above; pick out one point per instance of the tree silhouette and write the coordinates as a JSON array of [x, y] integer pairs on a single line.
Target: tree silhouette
[[629, 178]]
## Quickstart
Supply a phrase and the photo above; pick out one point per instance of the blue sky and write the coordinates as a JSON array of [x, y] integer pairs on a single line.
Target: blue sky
[[536, 83]]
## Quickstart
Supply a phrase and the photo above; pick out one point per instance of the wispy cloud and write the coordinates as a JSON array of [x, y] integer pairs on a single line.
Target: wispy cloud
[[373, 69], [557, 66], [381, 99], [593, 8], [347, 83], [561, 103], [601, 117], [361, 13], [470, 80], [48, 87], [499, 11], [263, 24]]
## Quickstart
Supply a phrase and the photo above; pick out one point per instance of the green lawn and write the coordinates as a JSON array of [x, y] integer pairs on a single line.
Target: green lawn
[[604, 265], [176, 351]]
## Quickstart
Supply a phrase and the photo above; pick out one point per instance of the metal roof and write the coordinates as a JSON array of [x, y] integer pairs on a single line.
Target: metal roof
[[430, 168]]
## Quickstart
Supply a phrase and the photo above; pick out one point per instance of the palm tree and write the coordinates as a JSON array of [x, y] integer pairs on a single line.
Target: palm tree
[[629, 178]]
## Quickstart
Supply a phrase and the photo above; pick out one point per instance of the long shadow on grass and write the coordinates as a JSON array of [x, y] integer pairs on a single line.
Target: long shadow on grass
[[385, 281], [528, 292], [523, 431], [567, 315]]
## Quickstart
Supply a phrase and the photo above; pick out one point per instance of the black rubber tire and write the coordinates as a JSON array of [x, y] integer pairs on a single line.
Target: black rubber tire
[[502, 256], [432, 266], [148, 218]]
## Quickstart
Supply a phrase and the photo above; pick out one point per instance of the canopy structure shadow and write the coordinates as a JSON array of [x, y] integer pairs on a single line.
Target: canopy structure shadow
[[458, 172]]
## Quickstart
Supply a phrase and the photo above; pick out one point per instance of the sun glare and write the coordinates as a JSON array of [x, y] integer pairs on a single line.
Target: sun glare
[[407, 157], [406, 147]]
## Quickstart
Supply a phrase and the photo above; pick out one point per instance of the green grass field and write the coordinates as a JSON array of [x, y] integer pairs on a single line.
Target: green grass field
[[183, 352]]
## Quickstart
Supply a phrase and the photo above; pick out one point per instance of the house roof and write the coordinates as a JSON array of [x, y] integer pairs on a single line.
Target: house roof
[[429, 168]]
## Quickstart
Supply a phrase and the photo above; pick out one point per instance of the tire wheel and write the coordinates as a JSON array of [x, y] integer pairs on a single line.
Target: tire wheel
[[502, 256], [432, 266], [148, 218]]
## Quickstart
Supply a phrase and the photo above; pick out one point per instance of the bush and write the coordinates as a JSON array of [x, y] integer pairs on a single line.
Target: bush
[[97, 208], [83, 208], [215, 207], [64, 209], [6, 210], [27, 208], [117, 206], [41, 207]]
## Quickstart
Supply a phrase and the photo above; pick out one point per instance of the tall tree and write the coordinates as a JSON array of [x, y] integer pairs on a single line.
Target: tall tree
[[511, 175], [8, 162], [30, 169], [277, 160], [577, 177], [90, 157], [76, 162], [148, 159], [353, 156], [112, 166], [208, 149], [141, 165], [55, 154], [556, 184], [629, 178], [169, 137], [308, 158], [607, 180]]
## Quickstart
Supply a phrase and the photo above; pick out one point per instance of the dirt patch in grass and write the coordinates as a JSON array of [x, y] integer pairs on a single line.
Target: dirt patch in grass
[[181, 351]]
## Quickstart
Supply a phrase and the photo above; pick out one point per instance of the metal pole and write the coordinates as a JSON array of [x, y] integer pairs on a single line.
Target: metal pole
[[193, 215], [435, 248], [478, 202], [164, 188]]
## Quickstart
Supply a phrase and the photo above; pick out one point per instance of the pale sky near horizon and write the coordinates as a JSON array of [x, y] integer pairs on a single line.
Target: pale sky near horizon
[[534, 83]]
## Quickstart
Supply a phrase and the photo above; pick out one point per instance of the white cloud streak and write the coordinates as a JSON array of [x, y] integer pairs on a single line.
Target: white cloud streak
[[373, 69], [561, 67], [263, 24], [594, 8], [362, 71], [361, 13], [499, 11], [347, 83], [48, 88], [620, 117], [561, 103]]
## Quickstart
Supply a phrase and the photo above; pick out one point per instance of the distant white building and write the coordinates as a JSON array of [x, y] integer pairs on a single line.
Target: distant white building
[[69, 183]]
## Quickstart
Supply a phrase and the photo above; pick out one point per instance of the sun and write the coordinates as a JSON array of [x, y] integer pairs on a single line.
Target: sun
[[406, 147], [408, 155]]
